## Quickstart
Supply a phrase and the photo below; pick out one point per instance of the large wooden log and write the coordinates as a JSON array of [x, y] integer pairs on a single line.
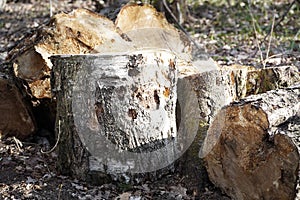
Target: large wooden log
[[246, 155], [202, 95], [135, 111], [16, 117], [79, 32]]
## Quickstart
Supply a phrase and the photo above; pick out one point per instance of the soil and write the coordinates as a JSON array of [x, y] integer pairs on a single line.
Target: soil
[[27, 173]]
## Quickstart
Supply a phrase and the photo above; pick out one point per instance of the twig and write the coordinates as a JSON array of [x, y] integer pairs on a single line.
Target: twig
[[51, 12], [255, 32], [59, 191], [278, 23], [270, 40], [294, 39], [179, 25], [57, 141], [18, 143]]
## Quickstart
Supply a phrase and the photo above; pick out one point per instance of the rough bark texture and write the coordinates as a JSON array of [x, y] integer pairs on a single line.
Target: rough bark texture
[[132, 110], [73, 155], [246, 156], [16, 117]]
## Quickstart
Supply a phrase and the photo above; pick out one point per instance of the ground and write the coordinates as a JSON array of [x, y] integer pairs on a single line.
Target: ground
[[231, 34]]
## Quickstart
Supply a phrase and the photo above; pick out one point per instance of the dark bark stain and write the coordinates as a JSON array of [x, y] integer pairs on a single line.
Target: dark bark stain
[[156, 98]]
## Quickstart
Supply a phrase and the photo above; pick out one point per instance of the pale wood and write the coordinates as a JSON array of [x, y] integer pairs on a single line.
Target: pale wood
[[207, 92], [79, 32]]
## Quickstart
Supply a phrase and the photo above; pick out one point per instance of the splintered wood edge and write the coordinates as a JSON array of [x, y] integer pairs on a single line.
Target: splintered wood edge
[[240, 146], [146, 16]]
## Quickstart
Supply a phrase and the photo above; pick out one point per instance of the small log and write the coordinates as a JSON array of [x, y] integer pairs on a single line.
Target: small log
[[246, 155], [16, 117], [255, 81]]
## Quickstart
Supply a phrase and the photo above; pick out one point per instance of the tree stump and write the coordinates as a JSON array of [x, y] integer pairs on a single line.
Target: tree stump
[[249, 154], [122, 107]]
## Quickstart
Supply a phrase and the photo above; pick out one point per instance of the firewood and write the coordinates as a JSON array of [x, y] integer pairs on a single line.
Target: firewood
[[246, 154], [16, 117], [162, 52]]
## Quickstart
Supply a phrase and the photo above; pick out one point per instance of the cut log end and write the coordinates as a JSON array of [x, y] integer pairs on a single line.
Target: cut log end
[[245, 161]]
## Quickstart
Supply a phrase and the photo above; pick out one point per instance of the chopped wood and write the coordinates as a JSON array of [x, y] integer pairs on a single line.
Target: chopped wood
[[246, 157], [16, 117], [84, 32], [79, 32], [131, 106]]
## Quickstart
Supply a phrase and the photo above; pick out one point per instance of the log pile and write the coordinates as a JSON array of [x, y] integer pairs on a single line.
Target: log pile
[[151, 97], [135, 87], [211, 91]]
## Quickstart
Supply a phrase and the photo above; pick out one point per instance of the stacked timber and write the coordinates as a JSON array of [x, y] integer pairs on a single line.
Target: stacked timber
[[132, 98]]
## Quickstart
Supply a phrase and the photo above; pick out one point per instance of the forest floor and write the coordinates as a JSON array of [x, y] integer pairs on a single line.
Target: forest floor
[[231, 34]]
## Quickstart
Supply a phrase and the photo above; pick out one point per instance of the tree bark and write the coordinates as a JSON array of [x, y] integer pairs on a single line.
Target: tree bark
[[131, 107], [203, 94], [246, 154]]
